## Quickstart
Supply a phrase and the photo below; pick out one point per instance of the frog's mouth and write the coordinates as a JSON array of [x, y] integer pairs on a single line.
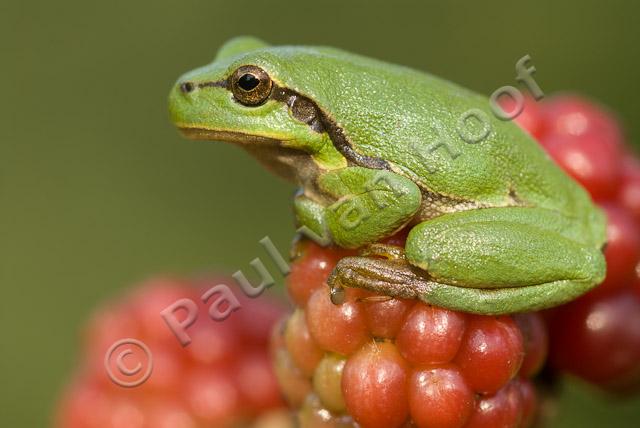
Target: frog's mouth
[[197, 133]]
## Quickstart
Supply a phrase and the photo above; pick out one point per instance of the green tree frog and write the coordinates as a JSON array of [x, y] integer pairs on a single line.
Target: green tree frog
[[495, 226]]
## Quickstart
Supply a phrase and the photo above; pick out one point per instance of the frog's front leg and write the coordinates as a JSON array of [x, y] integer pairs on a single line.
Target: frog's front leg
[[311, 220], [365, 206], [488, 261]]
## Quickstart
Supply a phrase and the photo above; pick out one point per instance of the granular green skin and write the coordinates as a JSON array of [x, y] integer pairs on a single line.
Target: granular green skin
[[496, 226]]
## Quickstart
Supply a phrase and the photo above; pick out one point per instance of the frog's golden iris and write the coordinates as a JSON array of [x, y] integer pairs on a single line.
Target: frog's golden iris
[[251, 85]]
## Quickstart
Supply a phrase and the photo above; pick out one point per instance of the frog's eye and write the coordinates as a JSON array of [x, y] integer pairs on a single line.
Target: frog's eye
[[251, 85]]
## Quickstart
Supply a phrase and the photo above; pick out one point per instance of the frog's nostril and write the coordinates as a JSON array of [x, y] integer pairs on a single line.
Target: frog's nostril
[[186, 87]]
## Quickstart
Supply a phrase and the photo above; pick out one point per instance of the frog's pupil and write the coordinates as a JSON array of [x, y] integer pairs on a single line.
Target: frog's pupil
[[248, 82]]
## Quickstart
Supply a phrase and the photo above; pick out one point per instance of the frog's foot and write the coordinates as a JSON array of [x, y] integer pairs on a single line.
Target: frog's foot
[[392, 277], [385, 252]]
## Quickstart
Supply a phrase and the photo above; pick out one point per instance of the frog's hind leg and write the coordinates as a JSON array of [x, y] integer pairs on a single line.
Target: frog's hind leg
[[488, 261], [397, 278], [506, 247]]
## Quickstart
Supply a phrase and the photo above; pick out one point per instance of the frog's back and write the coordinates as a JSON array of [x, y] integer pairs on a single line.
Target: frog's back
[[414, 121]]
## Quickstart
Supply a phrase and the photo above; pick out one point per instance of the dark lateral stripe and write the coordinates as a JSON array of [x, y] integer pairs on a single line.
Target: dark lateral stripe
[[336, 133], [212, 84], [342, 144]]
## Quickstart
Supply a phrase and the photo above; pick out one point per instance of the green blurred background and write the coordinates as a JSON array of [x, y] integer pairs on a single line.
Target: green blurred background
[[98, 191]]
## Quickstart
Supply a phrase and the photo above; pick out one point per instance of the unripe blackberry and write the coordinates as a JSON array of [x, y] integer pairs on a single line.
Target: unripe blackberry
[[596, 337], [381, 362], [223, 378]]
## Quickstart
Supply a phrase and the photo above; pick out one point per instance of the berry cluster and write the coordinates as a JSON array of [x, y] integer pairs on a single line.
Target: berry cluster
[[223, 378], [380, 362], [377, 361], [597, 337]]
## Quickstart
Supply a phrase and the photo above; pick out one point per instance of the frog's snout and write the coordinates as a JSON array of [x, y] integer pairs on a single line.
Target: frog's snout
[[181, 98]]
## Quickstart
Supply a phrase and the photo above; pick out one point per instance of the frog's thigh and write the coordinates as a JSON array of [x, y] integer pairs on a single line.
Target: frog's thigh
[[477, 249], [369, 204], [497, 301]]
